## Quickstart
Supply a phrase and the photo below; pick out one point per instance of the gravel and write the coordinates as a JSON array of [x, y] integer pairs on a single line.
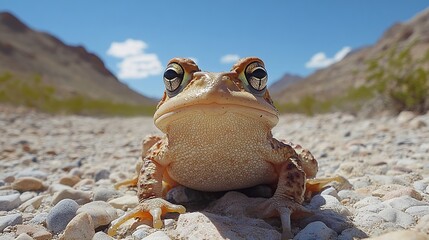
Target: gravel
[[386, 160]]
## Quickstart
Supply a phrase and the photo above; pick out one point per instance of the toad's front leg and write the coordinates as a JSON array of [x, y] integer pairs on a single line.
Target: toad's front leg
[[150, 191], [287, 198]]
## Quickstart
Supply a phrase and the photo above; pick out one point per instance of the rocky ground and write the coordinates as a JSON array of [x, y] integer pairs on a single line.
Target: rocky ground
[[57, 175]]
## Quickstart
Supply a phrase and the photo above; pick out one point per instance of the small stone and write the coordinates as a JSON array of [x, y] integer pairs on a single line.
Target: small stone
[[39, 219], [405, 116], [141, 232], [367, 219], [323, 200], [69, 180], [84, 184], [125, 202], [105, 194], [352, 233], [34, 202], [402, 234], [102, 174], [101, 236], [417, 123], [10, 220], [35, 231], [352, 196], [9, 202], [418, 211], [80, 197], [316, 230], [24, 236], [101, 213], [330, 191], [25, 196], [398, 217], [27, 184], [332, 219], [80, 227], [404, 202], [61, 214], [367, 201], [56, 187], [158, 235], [29, 172], [205, 225], [406, 191]]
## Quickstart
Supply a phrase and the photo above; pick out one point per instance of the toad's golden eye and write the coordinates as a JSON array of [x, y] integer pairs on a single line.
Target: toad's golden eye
[[256, 76], [173, 77]]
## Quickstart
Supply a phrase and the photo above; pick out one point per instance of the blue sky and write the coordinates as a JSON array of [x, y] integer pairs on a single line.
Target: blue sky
[[137, 38]]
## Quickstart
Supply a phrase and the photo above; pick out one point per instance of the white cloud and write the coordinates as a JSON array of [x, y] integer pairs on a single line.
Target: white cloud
[[229, 58], [320, 60], [135, 63]]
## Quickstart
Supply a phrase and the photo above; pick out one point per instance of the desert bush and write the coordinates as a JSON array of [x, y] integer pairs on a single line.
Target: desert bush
[[400, 79], [33, 93]]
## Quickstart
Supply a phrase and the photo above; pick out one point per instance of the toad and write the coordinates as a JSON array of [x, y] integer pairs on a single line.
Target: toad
[[217, 138]]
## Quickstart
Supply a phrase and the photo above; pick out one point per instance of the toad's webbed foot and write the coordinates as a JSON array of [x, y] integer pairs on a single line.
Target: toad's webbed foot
[[151, 208], [283, 208]]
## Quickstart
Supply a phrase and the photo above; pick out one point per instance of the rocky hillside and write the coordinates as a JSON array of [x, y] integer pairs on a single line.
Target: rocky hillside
[[280, 85], [72, 70], [350, 72]]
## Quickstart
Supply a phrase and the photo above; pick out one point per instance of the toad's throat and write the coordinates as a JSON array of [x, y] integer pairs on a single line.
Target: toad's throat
[[223, 145]]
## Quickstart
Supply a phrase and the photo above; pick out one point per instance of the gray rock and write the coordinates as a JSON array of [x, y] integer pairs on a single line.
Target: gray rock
[[105, 194], [102, 174], [101, 236], [30, 172], [331, 192], [398, 217], [124, 202], [404, 202], [323, 200], [9, 202], [418, 211], [10, 220], [367, 219], [39, 219], [351, 195], [81, 197], [24, 236], [61, 214], [351, 234], [142, 231], [367, 201], [330, 218], [101, 212], [204, 225], [374, 208], [316, 230], [158, 235]]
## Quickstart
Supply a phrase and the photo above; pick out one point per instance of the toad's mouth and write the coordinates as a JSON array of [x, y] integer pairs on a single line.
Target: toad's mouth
[[164, 118]]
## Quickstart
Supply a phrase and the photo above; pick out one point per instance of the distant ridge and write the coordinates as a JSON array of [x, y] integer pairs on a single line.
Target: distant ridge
[[350, 72], [72, 70]]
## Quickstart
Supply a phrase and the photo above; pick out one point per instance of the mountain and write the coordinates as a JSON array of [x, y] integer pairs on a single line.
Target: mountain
[[350, 72], [71, 70], [280, 85]]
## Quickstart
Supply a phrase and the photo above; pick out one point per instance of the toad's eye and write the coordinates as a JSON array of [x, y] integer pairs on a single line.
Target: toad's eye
[[256, 76], [173, 77]]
